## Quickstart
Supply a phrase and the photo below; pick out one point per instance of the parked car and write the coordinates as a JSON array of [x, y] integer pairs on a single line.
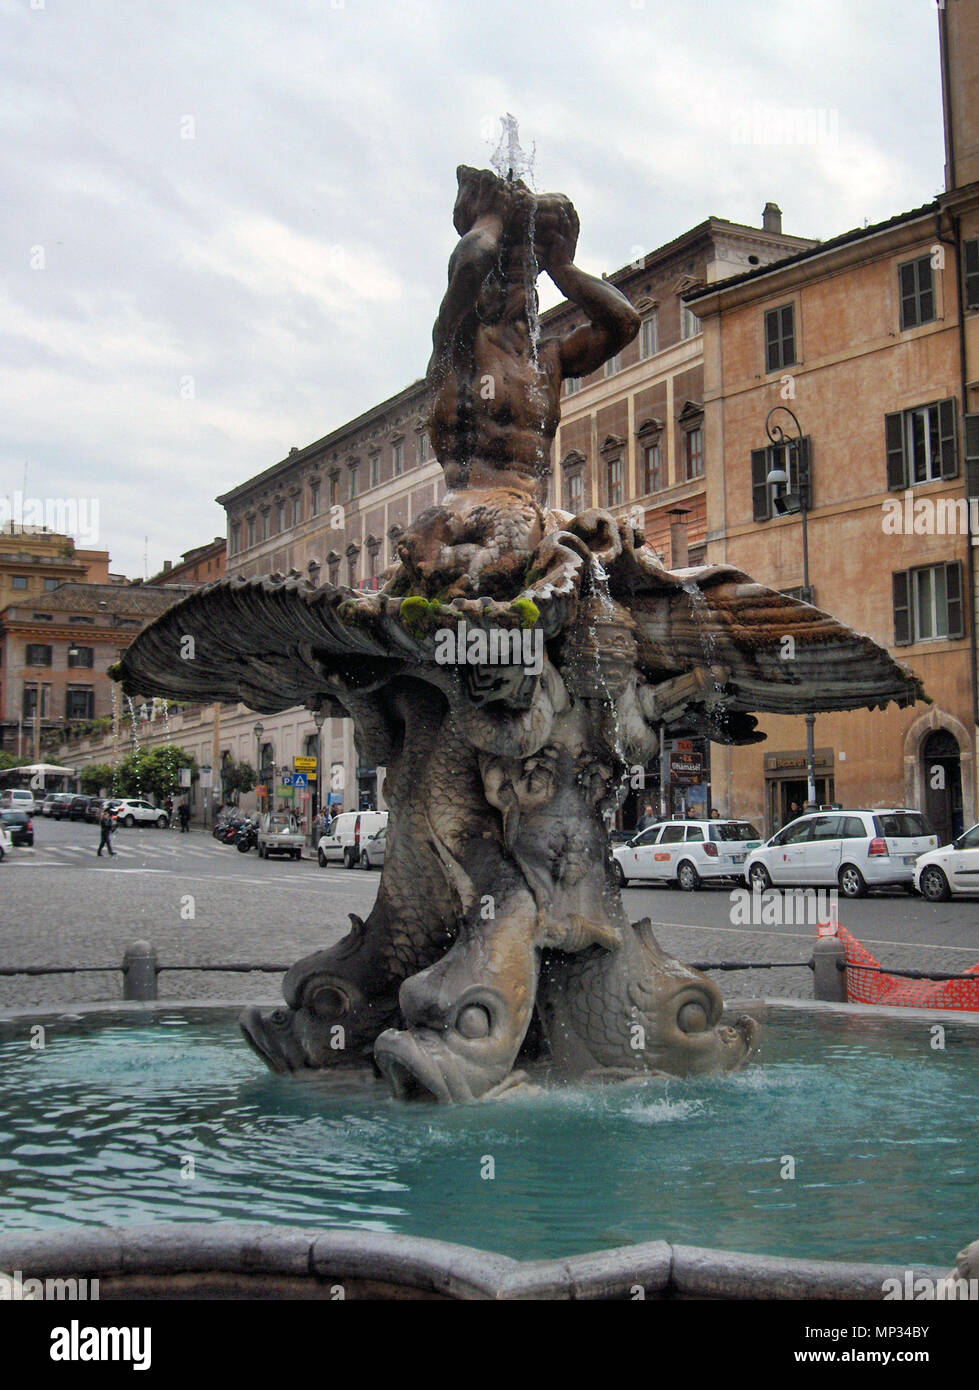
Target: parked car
[[685, 852], [950, 869], [60, 804], [279, 834], [78, 807], [372, 854], [19, 826], [47, 805], [855, 850], [130, 811], [94, 809], [17, 799], [4, 840], [351, 829]]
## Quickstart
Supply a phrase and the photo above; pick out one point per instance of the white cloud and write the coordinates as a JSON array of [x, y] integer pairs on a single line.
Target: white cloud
[[291, 255]]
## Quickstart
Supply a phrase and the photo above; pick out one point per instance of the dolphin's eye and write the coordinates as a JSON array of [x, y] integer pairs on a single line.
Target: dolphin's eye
[[692, 1017], [473, 1021], [328, 1002]]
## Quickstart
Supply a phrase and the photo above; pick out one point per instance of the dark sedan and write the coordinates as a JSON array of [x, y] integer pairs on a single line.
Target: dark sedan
[[20, 827]]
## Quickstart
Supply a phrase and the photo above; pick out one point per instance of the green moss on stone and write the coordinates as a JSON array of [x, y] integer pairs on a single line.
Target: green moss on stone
[[416, 615], [526, 610]]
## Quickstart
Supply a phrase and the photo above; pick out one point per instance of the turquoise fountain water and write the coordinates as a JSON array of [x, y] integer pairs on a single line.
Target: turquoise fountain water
[[98, 1127]]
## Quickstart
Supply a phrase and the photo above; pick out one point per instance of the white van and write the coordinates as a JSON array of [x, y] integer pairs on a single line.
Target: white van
[[347, 834], [17, 799]]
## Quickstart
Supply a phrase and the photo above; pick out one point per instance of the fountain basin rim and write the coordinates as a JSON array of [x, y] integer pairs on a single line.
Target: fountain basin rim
[[759, 1005], [200, 1261], [222, 1260]]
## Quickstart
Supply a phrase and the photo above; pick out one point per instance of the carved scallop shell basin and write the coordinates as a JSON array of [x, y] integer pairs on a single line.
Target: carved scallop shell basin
[[131, 1117]]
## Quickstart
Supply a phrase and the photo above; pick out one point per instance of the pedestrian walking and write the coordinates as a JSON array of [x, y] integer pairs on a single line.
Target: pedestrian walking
[[105, 825], [184, 814]]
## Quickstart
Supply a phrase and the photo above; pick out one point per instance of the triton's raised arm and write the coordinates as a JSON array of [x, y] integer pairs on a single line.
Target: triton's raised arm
[[612, 320], [483, 206]]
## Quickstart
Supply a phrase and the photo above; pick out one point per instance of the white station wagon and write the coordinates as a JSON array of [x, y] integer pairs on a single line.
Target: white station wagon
[[686, 851], [855, 850]]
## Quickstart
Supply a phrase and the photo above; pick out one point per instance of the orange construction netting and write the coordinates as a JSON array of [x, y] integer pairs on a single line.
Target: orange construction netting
[[867, 987]]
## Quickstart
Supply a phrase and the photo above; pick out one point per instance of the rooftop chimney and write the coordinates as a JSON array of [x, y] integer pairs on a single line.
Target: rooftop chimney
[[167, 566], [771, 218]]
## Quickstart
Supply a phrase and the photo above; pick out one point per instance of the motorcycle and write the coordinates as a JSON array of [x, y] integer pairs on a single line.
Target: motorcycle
[[247, 836]]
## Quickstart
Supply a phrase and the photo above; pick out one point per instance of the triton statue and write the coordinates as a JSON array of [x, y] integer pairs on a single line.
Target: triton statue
[[498, 934]]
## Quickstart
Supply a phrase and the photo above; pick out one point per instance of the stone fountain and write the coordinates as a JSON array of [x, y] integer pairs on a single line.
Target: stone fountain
[[516, 664]]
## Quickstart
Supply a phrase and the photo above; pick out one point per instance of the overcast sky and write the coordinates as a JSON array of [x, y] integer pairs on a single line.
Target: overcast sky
[[225, 224]]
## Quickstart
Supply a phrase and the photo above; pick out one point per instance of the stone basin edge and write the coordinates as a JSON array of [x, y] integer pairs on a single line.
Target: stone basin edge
[[227, 1260]]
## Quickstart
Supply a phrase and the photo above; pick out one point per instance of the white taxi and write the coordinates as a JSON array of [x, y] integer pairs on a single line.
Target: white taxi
[[952, 869], [685, 852]]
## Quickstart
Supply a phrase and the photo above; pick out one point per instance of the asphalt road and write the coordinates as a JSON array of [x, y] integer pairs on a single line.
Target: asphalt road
[[199, 902]]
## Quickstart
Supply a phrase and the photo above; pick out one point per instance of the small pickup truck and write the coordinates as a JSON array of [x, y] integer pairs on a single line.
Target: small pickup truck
[[279, 834]]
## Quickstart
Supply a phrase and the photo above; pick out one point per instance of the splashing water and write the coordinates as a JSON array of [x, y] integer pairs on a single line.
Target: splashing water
[[113, 691], [134, 738], [509, 159], [171, 787], [600, 585], [699, 609]]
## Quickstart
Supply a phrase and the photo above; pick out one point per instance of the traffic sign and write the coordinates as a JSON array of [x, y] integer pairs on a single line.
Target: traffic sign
[[299, 779], [304, 763]]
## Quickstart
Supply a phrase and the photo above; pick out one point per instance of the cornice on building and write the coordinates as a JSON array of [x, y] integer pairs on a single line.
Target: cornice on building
[[850, 248]]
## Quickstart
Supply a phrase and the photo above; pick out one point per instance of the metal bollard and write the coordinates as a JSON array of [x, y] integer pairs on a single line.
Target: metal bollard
[[828, 980], [139, 969]]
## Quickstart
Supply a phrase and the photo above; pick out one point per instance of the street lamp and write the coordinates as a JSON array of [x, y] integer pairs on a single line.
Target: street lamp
[[258, 731], [318, 719], [787, 502]]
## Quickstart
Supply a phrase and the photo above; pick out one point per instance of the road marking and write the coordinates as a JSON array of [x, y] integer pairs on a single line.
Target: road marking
[[104, 869], [40, 864]]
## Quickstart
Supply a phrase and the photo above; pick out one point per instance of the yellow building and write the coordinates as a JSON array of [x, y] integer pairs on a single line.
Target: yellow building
[[871, 341]]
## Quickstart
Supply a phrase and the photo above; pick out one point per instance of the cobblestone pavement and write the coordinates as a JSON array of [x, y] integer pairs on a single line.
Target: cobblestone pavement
[[199, 902]]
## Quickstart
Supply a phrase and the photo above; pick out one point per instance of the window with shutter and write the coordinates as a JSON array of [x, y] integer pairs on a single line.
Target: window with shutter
[[928, 604], [970, 252], [921, 445], [917, 292], [779, 338], [902, 608], [946, 432], [954, 624], [761, 502], [972, 455], [897, 467]]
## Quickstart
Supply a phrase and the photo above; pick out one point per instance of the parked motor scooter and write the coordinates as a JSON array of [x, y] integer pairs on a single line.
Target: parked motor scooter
[[247, 836]]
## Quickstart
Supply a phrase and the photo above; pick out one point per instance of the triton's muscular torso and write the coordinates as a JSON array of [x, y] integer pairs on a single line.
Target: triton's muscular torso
[[495, 409]]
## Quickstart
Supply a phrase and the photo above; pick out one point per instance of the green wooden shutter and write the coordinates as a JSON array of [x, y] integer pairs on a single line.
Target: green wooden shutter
[[772, 362], [906, 280], [761, 502], [901, 583], [947, 440], [803, 478], [972, 455], [953, 591], [971, 256], [926, 291], [897, 467], [788, 335]]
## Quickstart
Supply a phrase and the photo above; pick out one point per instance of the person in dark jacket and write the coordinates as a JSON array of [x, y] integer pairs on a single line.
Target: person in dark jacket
[[106, 826], [184, 814]]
